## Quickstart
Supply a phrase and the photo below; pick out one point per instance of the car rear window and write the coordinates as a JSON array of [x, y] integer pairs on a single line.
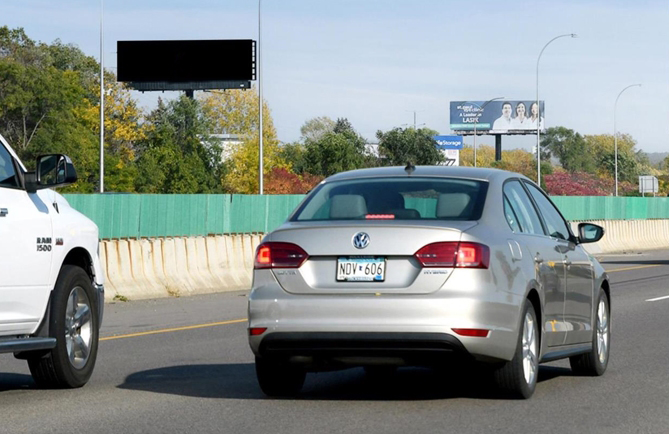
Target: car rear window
[[395, 199]]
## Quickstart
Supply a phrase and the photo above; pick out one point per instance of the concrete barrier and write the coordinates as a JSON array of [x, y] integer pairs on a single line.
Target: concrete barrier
[[164, 267], [627, 236]]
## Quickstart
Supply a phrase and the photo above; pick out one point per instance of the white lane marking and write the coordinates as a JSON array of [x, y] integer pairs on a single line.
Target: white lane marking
[[658, 298]]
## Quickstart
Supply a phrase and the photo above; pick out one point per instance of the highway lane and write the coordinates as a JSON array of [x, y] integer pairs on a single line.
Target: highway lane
[[185, 379]]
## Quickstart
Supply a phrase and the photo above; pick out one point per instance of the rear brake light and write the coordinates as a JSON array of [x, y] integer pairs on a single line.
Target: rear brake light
[[474, 333], [454, 254], [438, 254], [279, 255], [473, 255], [380, 216]]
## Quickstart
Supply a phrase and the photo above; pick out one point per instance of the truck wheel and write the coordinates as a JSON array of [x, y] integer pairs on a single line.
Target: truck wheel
[[74, 323]]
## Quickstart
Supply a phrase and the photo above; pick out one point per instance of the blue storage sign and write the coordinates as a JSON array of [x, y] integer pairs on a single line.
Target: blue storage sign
[[449, 142]]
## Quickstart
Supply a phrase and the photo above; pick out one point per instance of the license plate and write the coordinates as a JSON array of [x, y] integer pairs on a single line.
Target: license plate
[[367, 269]]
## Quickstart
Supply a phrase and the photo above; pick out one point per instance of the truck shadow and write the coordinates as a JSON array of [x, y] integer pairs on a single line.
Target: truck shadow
[[16, 382], [238, 381]]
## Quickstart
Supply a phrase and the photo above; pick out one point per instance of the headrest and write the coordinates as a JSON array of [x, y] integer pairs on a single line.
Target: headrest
[[346, 206], [451, 205]]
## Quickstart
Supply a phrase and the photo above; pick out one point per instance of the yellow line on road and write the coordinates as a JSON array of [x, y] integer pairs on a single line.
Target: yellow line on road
[[632, 268], [174, 329]]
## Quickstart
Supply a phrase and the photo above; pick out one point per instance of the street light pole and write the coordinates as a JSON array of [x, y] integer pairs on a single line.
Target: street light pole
[[615, 132], [573, 35], [260, 132], [102, 102], [476, 120]]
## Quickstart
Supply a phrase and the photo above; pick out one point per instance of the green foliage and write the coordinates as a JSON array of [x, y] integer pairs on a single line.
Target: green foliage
[[570, 148], [336, 151], [176, 156], [603, 147], [315, 128], [293, 155], [399, 146]]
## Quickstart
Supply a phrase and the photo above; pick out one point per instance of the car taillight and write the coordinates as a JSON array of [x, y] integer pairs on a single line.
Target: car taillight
[[454, 254], [279, 255], [473, 255]]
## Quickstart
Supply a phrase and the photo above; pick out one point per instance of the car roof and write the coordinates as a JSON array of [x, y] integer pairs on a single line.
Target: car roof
[[428, 171]]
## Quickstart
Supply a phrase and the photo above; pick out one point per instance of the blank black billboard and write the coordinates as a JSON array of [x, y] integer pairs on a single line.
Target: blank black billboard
[[186, 61]]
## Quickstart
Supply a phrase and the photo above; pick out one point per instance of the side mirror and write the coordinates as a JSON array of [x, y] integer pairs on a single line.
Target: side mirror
[[55, 170], [589, 233]]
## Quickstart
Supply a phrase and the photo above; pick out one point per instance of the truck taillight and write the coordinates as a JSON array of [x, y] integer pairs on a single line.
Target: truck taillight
[[279, 255], [454, 254]]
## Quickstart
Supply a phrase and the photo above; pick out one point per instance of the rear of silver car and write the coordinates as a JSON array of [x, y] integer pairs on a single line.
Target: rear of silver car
[[367, 284]]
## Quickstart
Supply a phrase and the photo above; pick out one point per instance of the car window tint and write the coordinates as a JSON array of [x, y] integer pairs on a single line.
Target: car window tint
[[8, 176], [556, 225], [397, 198], [511, 217], [528, 219]]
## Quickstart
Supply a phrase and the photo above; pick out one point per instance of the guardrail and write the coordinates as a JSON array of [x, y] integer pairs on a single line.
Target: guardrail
[[121, 216]]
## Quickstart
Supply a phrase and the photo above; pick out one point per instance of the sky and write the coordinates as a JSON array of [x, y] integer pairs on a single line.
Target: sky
[[376, 62]]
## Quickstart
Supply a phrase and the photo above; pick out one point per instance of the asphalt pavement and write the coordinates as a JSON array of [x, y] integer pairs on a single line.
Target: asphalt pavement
[[182, 365]]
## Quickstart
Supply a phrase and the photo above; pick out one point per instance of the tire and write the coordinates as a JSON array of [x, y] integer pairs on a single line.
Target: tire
[[278, 378], [594, 363], [518, 377], [73, 321]]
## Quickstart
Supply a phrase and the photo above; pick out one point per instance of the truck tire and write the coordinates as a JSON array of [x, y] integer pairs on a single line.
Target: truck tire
[[73, 321]]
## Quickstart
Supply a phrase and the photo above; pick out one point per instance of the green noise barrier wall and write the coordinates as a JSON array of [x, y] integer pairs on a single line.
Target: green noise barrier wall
[[185, 215]]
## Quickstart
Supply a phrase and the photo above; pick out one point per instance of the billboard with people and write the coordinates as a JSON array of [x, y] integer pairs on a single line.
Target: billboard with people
[[497, 117]]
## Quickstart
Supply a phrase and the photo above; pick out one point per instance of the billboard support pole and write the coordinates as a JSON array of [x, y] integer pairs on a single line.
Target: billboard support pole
[[615, 134], [476, 120], [573, 35], [498, 147]]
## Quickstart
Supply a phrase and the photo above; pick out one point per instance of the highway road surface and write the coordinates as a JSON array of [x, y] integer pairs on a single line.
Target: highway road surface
[[182, 365]]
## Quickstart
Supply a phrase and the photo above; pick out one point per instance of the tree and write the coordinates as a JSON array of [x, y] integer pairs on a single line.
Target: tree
[[602, 146], [293, 155], [399, 146], [336, 151], [237, 112], [177, 156], [570, 148], [283, 181], [315, 128]]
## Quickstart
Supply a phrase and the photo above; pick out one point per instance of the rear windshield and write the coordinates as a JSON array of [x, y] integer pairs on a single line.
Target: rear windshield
[[395, 199]]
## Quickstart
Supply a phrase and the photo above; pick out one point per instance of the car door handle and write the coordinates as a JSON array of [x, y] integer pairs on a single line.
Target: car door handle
[[3, 212], [538, 259], [567, 262]]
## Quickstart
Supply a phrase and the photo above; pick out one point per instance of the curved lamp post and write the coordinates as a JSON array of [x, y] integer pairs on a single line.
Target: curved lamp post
[[572, 35], [615, 133], [476, 119]]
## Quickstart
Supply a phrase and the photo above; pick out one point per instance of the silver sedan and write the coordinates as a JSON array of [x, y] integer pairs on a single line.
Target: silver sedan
[[423, 266]]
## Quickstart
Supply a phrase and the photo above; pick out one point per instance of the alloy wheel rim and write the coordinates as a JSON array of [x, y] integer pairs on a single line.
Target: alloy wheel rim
[[602, 332], [78, 329], [529, 345]]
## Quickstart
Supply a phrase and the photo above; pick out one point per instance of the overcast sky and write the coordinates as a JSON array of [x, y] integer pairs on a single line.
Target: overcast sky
[[376, 61]]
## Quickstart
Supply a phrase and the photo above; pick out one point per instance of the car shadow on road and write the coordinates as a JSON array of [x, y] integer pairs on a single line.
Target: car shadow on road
[[16, 382], [238, 381]]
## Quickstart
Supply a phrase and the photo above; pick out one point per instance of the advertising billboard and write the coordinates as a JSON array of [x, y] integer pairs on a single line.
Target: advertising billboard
[[450, 147], [496, 117]]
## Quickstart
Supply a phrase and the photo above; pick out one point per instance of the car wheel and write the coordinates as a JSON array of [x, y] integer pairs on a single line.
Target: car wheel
[[279, 378], [594, 363], [74, 323], [518, 377]]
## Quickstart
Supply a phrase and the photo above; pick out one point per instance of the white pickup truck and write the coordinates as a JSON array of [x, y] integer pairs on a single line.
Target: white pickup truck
[[51, 281]]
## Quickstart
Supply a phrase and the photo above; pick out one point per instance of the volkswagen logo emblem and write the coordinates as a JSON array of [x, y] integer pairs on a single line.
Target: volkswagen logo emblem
[[360, 240]]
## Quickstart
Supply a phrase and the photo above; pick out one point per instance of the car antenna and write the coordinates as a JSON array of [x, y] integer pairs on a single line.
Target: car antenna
[[410, 168]]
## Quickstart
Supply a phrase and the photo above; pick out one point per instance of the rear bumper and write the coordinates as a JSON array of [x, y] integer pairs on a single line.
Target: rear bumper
[[360, 348]]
